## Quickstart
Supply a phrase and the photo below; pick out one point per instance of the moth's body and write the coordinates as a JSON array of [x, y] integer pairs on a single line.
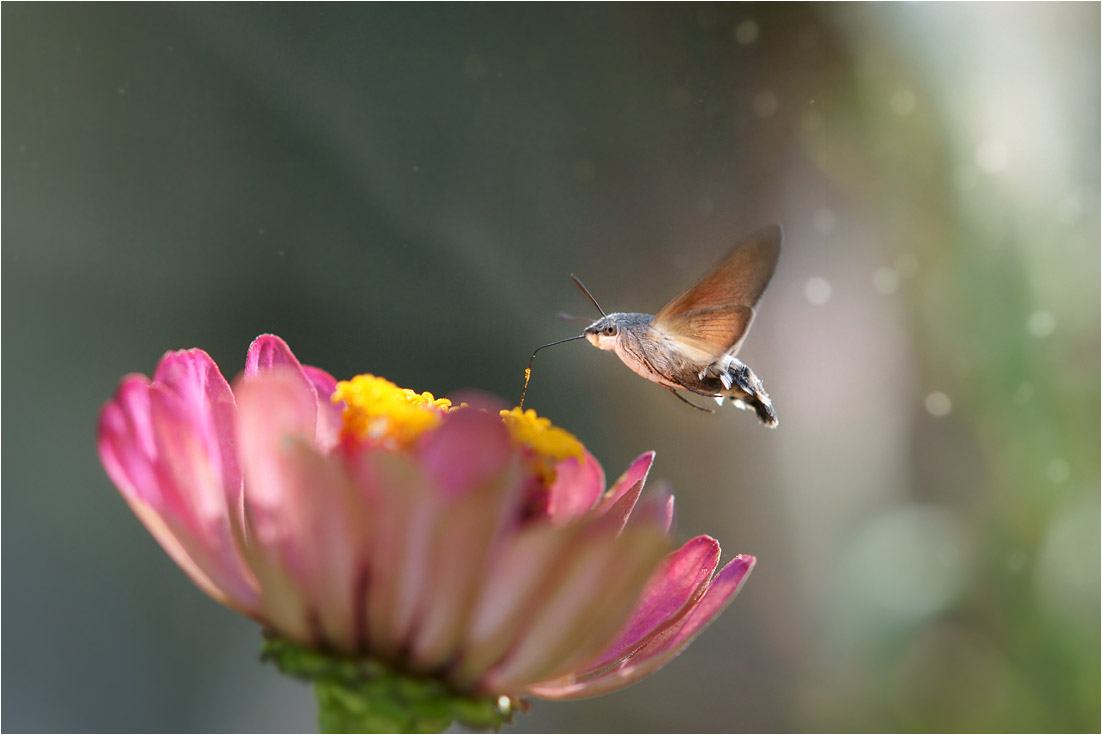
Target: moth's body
[[667, 360], [691, 343]]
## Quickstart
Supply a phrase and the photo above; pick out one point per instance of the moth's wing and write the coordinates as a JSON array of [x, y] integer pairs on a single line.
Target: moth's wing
[[715, 331], [740, 278], [718, 310]]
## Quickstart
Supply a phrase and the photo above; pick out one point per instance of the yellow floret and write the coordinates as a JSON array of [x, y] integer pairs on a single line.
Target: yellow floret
[[541, 436], [377, 409]]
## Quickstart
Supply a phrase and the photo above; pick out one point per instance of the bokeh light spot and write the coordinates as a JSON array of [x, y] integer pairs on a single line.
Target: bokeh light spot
[[817, 290], [938, 404], [911, 562], [1058, 470], [1041, 323]]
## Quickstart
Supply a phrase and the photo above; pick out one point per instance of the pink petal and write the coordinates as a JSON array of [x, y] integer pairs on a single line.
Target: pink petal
[[661, 649], [582, 605], [400, 498], [330, 415], [577, 486], [473, 497], [327, 552], [654, 511], [460, 555], [206, 397], [132, 472], [166, 447], [305, 520], [667, 508], [673, 588], [635, 473], [268, 353], [278, 412], [194, 502], [468, 448], [125, 439], [623, 507], [520, 568]]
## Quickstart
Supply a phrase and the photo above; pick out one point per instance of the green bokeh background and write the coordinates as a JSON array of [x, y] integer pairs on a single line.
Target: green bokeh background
[[405, 190]]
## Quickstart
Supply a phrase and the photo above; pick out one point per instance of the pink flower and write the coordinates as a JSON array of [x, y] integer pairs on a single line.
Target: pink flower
[[479, 547]]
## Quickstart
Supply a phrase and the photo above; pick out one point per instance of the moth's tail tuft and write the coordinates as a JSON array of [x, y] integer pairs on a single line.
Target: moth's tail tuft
[[755, 397], [765, 412]]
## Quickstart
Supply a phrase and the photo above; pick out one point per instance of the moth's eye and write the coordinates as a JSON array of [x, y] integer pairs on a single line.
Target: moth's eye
[[610, 331]]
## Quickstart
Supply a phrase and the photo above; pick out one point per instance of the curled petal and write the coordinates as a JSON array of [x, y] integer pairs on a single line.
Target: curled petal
[[132, 471], [194, 502], [660, 649], [268, 353], [206, 405], [193, 376], [168, 447], [623, 507], [126, 444], [673, 588], [636, 473]]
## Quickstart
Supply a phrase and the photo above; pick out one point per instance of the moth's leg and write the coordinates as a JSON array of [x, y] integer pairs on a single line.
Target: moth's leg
[[683, 399]]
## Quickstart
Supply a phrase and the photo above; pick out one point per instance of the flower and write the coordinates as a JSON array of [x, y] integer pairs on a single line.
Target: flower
[[473, 548]]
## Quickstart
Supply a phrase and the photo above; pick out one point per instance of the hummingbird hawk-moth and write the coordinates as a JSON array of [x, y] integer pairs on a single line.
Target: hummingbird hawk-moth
[[691, 343]]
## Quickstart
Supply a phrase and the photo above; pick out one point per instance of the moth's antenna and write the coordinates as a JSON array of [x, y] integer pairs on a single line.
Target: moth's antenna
[[587, 293], [528, 370]]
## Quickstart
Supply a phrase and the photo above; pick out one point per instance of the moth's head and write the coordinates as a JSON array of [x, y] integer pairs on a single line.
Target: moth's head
[[604, 333]]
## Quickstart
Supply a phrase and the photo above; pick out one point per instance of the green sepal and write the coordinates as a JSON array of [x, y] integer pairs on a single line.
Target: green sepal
[[367, 695]]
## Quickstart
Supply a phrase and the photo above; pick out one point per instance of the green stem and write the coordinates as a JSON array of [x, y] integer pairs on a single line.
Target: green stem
[[366, 695]]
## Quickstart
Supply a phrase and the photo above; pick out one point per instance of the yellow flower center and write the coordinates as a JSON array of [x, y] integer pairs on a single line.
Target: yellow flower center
[[377, 409], [541, 436]]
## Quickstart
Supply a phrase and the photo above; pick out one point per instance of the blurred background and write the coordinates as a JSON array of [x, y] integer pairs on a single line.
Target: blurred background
[[405, 190]]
